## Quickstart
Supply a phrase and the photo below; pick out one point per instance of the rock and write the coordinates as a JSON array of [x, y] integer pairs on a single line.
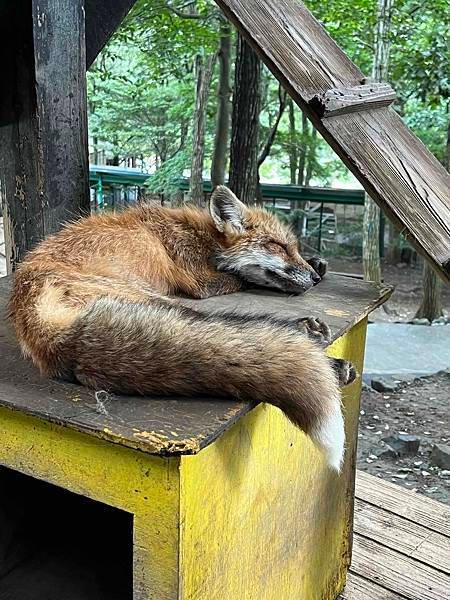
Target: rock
[[440, 456], [420, 322], [440, 321], [387, 452], [381, 384], [403, 444]]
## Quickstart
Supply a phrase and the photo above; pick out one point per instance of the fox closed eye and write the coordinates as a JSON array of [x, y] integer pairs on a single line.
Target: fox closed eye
[[277, 247]]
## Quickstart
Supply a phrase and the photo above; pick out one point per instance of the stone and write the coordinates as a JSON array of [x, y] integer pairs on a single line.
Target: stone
[[420, 322], [440, 456], [381, 384], [403, 444], [440, 321], [387, 452]]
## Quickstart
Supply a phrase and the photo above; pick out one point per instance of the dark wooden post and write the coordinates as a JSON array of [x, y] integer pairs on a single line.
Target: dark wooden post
[[43, 124]]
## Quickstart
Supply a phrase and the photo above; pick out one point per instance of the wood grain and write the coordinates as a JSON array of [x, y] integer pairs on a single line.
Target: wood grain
[[394, 167], [358, 588], [43, 140], [409, 505], [397, 572], [355, 99], [407, 537]]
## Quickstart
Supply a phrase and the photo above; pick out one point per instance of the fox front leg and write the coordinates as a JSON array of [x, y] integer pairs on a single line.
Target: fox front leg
[[319, 331], [315, 329]]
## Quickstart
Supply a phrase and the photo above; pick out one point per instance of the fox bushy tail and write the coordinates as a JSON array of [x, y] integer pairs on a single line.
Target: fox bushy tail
[[129, 347]]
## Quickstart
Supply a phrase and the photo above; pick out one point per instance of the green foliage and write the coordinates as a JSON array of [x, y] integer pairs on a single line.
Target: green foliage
[[165, 180], [142, 87]]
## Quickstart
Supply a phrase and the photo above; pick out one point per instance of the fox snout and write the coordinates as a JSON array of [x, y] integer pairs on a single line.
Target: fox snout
[[299, 279]]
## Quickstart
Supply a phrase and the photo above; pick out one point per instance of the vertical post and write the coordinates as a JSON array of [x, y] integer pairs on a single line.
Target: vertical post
[[319, 245], [382, 230], [44, 177], [100, 197]]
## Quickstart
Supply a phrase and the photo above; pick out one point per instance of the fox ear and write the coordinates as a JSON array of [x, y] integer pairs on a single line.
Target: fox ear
[[225, 208]]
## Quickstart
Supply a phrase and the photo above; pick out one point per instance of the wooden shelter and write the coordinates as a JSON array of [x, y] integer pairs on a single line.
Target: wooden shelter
[[212, 499]]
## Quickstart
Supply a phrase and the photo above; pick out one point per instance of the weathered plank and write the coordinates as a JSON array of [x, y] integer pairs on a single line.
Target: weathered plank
[[414, 507], [102, 19], [397, 572], [344, 100], [398, 166], [43, 126], [294, 46], [404, 536], [358, 588], [396, 170]]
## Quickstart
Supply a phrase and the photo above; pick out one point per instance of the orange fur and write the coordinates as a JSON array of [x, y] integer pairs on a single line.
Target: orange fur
[[95, 302]]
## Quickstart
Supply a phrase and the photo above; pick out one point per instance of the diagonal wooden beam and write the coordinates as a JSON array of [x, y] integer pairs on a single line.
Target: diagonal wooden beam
[[394, 167], [103, 17]]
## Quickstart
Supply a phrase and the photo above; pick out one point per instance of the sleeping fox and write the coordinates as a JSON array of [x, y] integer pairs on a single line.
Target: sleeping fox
[[96, 303]]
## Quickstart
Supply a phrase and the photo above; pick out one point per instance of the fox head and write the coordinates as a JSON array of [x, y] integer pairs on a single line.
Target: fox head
[[257, 247]]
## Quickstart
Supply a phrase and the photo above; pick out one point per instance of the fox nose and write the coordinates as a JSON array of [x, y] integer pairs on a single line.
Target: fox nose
[[315, 277]]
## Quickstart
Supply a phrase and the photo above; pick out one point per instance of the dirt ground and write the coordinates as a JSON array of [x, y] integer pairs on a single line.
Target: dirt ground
[[420, 407]]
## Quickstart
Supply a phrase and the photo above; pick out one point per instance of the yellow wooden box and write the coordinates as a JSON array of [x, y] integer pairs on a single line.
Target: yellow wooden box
[[227, 501]]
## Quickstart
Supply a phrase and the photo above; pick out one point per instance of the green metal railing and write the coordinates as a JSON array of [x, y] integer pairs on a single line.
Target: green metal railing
[[106, 179], [101, 176]]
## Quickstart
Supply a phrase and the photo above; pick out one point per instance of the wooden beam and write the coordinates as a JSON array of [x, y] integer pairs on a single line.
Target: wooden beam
[[43, 125], [103, 17], [396, 572], [355, 99], [394, 167], [404, 503]]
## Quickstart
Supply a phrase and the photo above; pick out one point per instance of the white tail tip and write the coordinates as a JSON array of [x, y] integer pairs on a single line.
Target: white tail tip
[[329, 435]]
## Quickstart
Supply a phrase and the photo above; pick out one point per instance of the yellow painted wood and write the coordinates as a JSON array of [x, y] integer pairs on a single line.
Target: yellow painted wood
[[144, 485], [262, 516], [256, 515]]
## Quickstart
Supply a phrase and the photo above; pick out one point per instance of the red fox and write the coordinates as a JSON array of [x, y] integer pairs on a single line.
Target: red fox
[[96, 303]]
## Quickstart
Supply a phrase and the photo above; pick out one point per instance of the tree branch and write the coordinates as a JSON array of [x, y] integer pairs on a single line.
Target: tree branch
[[282, 95]]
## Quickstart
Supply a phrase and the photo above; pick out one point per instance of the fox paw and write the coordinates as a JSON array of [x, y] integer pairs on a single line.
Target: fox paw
[[318, 264], [315, 329], [345, 371]]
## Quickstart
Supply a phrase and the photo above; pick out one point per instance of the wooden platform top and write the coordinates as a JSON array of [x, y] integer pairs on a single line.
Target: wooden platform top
[[401, 546], [170, 426]]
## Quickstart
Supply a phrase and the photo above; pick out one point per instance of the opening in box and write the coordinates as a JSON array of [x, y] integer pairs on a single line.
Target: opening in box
[[56, 545]]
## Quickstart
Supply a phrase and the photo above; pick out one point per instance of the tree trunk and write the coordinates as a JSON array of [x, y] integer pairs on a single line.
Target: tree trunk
[[293, 153], [371, 243], [394, 253], [204, 69], [293, 150], [273, 132], [245, 123], [302, 156], [220, 153], [431, 306], [311, 157]]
